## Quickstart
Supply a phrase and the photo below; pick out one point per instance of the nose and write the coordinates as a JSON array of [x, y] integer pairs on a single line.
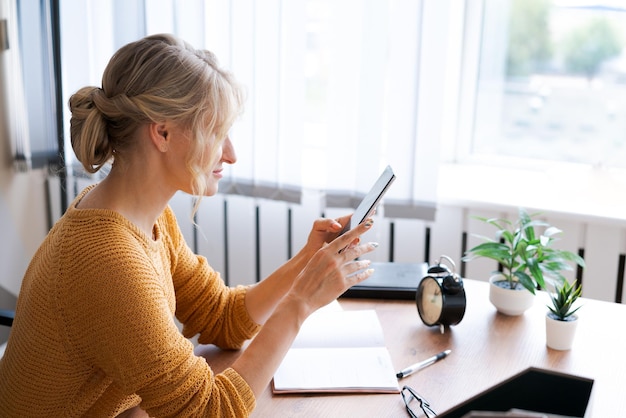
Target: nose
[[228, 152]]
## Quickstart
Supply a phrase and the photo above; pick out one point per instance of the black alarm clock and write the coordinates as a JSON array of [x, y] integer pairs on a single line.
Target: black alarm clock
[[440, 295]]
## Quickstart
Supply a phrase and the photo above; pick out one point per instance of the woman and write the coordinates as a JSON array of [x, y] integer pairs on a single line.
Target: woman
[[94, 333]]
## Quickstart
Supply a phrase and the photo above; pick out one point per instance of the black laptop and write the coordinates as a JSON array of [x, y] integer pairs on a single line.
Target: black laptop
[[390, 281]]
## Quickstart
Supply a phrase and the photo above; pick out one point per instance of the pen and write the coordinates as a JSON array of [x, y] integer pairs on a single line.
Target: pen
[[422, 364]]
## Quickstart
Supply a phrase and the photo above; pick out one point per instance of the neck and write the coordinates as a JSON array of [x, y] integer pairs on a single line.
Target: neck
[[135, 195]]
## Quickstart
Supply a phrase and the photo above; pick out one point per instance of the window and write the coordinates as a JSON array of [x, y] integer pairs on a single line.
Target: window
[[28, 83], [550, 84]]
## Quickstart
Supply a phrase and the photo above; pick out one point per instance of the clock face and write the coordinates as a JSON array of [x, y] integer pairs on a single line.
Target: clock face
[[431, 301]]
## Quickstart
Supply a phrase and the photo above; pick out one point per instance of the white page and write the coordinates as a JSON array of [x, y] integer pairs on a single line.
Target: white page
[[343, 368], [331, 328]]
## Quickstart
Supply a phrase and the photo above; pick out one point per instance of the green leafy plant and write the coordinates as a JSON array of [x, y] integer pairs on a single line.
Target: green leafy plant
[[563, 298], [524, 251]]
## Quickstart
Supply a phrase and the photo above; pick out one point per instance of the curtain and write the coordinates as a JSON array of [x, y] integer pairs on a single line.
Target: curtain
[[336, 90]]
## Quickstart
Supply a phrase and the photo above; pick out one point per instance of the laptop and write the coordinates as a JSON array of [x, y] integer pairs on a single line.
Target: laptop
[[390, 281]]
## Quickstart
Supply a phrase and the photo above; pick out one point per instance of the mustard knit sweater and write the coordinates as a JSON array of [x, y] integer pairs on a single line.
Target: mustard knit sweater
[[94, 332]]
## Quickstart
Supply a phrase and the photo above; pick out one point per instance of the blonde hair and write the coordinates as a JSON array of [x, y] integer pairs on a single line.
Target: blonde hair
[[157, 78]]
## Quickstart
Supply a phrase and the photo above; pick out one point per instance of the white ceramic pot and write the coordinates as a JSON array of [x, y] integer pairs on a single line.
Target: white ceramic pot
[[560, 334], [508, 301]]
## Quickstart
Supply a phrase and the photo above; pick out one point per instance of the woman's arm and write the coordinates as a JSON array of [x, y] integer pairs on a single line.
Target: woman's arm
[[328, 274]]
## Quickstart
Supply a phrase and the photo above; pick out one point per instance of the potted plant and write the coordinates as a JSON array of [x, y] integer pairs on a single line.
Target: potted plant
[[527, 259], [561, 319]]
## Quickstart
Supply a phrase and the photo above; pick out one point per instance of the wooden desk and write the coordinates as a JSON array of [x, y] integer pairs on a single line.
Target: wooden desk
[[487, 348]]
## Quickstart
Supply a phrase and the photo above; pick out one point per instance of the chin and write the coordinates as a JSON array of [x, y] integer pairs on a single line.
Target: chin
[[211, 190]]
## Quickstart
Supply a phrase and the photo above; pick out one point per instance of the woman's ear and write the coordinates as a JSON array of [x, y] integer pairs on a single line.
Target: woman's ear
[[159, 136]]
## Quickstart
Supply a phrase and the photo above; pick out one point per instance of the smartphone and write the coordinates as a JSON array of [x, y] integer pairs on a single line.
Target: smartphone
[[372, 198]]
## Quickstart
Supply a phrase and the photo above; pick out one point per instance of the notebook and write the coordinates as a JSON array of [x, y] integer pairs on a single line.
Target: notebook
[[338, 351], [390, 281]]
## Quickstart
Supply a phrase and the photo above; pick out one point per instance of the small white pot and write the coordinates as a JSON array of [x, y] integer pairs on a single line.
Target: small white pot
[[560, 334], [509, 301]]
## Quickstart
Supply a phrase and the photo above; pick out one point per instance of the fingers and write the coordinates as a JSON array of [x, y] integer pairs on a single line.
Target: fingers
[[355, 272], [354, 243], [354, 252], [354, 268], [327, 225], [344, 220], [360, 275], [350, 239]]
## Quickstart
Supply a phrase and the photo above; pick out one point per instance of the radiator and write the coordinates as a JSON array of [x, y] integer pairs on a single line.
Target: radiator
[[245, 239]]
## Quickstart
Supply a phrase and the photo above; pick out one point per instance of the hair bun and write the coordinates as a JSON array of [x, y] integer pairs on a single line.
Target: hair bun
[[88, 129]]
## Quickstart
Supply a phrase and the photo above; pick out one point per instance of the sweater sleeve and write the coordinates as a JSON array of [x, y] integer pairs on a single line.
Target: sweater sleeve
[[118, 322], [204, 304]]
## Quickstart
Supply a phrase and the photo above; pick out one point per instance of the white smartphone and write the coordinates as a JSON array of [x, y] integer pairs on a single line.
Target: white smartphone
[[372, 198]]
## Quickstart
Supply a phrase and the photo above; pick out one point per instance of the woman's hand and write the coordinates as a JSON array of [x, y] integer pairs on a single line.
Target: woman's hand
[[325, 230], [334, 268], [262, 298]]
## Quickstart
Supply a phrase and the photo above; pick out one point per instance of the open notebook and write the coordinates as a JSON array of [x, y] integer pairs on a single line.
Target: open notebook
[[338, 351]]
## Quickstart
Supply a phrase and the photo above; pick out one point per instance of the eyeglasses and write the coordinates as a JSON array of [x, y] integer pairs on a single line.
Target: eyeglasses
[[411, 398]]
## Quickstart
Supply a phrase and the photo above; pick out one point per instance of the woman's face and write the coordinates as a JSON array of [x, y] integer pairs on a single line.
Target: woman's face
[[209, 160], [224, 154]]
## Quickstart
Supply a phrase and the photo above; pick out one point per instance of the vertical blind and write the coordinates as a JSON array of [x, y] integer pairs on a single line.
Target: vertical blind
[[336, 90]]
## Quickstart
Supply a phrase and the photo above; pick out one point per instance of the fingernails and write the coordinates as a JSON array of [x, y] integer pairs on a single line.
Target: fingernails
[[369, 272], [369, 223], [374, 244]]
